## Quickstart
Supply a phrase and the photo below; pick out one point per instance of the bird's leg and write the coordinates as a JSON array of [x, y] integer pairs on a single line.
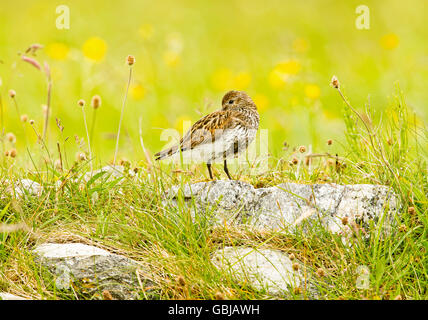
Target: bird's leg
[[227, 170], [209, 170]]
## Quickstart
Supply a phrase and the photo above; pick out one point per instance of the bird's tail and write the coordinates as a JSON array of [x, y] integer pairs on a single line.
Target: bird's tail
[[166, 153]]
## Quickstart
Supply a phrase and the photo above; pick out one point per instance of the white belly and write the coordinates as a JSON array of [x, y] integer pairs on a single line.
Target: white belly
[[227, 145]]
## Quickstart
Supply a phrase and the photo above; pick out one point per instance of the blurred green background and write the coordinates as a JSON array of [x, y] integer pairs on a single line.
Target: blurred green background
[[189, 53]]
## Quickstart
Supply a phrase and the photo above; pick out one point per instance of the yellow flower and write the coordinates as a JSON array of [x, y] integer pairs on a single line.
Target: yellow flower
[[171, 59], [146, 31], [222, 79], [389, 41], [312, 91], [138, 92], [261, 102], [277, 79], [300, 45], [242, 80], [57, 50], [289, 67], [94, 48]]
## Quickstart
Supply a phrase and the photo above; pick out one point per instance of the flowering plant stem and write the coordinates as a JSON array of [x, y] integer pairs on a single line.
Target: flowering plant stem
[[87, 135], [121, 115]]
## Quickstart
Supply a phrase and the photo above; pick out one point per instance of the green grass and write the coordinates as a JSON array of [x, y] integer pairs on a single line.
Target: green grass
[[128, 217]]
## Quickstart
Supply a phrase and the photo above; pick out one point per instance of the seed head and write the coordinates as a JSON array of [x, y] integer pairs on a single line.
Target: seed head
[[12, 93], [31, 121], [294, 161], [81, 103], [331, 162], [130, 60], [320, 272], [96, 102], [335, 82], [302, 149], [181, 281], [107, 295], [295, 266], [6, 153], [12, 153], [329, 142], [292, 256], [297, 290], [11, 137], [411, 210], [125, 163], [24, 118], [345, 221], [402, 228], [219, 296], [80, 156]]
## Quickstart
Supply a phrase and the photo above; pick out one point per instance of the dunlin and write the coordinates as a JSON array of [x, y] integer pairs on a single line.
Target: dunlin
[[219, 135]]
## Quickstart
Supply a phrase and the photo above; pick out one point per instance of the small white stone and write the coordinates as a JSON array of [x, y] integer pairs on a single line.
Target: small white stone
[[262, 268], [24, 187]]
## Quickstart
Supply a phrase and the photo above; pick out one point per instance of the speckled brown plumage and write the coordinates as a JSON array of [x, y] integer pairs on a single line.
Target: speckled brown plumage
[[228, 131]]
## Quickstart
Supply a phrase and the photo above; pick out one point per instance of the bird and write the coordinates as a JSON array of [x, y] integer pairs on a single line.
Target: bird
[[221, 134]]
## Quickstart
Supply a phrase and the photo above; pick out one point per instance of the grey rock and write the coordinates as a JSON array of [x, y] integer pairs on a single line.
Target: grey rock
[[24, 187], [287, 205], [263, 269], [228, 201], [91, 269]]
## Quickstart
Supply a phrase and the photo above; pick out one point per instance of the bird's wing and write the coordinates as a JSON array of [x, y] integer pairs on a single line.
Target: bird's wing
[[205, 130], [209, 129]]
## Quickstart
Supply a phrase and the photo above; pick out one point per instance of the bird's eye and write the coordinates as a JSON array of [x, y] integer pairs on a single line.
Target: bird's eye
[[230, 101]]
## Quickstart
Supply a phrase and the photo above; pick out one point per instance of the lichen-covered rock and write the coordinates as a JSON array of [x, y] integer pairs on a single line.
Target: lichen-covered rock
[[23, 187], [287, 205], [91, 269], [264, 269], [231, 202]]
